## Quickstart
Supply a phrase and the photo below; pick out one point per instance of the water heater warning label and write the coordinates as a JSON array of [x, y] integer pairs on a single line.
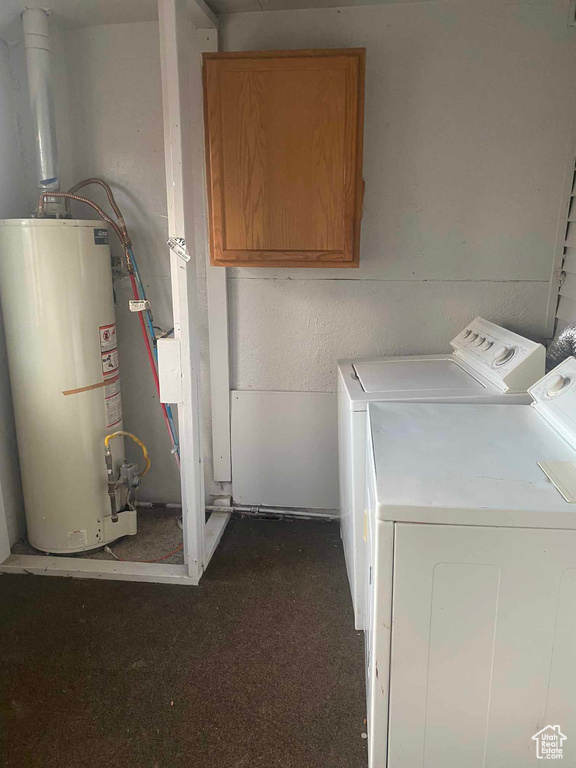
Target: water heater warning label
[[113, 410], [109, 354], [110, 361], [112, 387], [107, 337], [113, 403]]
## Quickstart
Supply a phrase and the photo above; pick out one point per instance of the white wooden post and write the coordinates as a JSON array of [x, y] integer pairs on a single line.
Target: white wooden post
[[216, 285], [175, 33], [181, 94]]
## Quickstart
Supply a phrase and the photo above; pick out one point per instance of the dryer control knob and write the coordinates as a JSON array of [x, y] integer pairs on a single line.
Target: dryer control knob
[[467, 333], [480, 340], [557, 384], [472, 337], [487, 344], [503, 354]]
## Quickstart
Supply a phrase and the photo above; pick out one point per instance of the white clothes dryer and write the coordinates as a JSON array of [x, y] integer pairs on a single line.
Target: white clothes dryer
[[471, 581]]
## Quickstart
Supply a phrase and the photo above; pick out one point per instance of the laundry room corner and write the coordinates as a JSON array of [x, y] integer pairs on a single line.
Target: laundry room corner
[[287, 383]]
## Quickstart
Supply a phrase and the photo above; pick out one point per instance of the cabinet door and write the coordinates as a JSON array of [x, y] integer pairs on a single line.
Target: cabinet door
[[483, 639], [284, 157]]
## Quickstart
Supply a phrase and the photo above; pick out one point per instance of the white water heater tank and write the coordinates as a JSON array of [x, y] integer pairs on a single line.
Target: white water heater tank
[[58, 307]]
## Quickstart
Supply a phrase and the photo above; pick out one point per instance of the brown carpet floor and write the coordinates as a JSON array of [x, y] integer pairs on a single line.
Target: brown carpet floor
[[259, 666]]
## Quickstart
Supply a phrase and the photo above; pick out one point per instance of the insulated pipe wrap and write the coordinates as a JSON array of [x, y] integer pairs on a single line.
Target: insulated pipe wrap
[[37, 43], [562, 347]]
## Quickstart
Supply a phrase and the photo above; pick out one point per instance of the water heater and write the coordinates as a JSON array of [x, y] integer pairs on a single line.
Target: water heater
[[58, 307]]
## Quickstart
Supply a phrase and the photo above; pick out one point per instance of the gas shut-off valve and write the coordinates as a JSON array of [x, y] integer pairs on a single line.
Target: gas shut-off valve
[[123, 486]]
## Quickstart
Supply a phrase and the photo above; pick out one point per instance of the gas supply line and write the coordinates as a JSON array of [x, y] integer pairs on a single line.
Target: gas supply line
[[113, 481]]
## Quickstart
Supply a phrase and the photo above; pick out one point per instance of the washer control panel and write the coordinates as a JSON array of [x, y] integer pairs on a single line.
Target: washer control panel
[[497, 353]]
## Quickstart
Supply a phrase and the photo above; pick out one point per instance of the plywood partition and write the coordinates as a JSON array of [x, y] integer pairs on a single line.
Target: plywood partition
[[284, 156]]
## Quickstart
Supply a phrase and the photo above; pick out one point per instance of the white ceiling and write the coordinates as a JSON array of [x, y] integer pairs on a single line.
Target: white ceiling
[[242, 6], [87, 13]]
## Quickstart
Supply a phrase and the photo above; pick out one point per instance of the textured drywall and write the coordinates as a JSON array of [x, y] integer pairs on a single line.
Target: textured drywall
[[467, 141], [287, 335], [12, 203]]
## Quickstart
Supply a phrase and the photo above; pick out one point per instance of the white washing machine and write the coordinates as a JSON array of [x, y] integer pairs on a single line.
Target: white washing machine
[[471, 628], [488, 364]]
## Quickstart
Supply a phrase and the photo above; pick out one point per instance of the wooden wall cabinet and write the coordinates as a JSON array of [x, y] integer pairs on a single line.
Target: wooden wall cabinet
[[284, 157]]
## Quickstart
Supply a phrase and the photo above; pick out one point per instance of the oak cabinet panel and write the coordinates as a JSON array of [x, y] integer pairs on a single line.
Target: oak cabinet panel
[[284, 157]]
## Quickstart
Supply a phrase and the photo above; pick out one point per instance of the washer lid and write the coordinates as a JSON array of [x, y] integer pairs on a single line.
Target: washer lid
[[416, 375]]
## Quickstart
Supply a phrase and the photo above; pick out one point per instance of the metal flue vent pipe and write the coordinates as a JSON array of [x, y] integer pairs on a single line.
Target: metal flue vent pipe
[[562, 347], [37, 43]]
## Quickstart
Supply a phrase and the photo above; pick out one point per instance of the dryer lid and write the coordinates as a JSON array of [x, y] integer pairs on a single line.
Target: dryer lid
[[416, 375], [467, 464]]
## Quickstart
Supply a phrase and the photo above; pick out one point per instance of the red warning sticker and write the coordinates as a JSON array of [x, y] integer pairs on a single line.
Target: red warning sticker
[[109, 354], [109, 361], [108, 337]]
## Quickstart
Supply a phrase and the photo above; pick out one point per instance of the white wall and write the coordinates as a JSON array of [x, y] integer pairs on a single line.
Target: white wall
[[467, 141], [13, 202]]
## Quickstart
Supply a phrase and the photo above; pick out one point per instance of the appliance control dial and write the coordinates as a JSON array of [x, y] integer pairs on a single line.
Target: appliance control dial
[[472, 337], [467, 333], [503, 354], [487, 344], [480, 340], [557, 385]]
